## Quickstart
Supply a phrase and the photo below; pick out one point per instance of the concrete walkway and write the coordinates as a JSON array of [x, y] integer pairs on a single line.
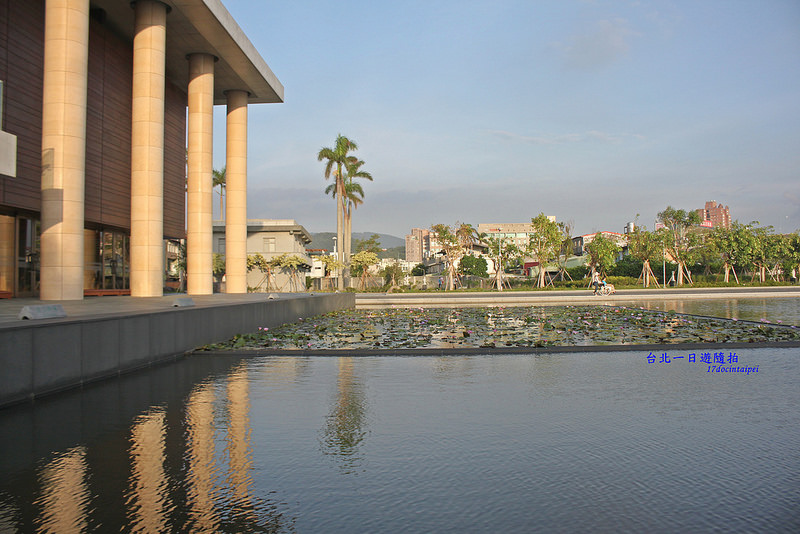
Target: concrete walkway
[[91, 307], [557, 297]]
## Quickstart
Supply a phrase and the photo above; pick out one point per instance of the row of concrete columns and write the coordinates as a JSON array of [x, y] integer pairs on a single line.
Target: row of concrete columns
[[64, 148]]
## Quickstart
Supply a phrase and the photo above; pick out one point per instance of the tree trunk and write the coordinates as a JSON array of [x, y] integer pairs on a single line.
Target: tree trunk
[[645, 276], [348, 235], [498, 275], [451, 276], [340, 227]]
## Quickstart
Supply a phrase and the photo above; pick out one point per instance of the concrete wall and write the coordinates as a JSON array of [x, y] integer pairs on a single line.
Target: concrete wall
[[43, 358]]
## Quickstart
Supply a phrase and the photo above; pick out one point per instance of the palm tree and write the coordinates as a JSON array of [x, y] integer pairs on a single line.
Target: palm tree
[[352, 189], [354, 196], [218, 177], [336, 158]]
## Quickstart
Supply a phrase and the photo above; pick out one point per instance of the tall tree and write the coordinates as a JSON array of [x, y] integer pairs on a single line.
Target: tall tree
[[355, 196], [335, 160], [544, 243], [792, 259], [681, 241], [218, 180], [766, 252], [602, 253], [447, 239], [564, 249], [501, 251], [733, 246], [646, 246]]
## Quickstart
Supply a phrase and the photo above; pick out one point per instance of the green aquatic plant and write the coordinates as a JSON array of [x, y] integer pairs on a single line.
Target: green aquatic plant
[[503, 327]]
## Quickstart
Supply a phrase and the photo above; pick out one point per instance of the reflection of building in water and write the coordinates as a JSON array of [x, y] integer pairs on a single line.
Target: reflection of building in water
[[65, 496], [148, 498], [344, 429]]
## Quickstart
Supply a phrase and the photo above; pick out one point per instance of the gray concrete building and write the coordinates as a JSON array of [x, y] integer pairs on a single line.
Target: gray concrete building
[[269, 239]]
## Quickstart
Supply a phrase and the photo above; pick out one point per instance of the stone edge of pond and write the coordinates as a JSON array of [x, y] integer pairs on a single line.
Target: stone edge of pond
[[490, 351]]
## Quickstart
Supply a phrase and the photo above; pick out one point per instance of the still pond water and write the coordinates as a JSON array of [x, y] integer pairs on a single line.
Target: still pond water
[[558, 442]]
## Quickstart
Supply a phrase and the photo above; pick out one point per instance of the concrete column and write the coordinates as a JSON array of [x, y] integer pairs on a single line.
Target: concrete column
[[236, 188], [147, 149], [66, 52], [200, 139]]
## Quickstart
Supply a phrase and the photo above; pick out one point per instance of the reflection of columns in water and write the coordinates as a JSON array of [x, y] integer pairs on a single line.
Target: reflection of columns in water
[[65, 495], [201, 475], [239, 431], [148, 501]]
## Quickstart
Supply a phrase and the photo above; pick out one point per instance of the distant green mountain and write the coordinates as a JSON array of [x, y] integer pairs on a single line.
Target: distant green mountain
[[396, 247]]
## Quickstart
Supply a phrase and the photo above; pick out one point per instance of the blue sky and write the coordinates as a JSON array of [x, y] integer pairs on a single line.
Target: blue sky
[[495, 111]]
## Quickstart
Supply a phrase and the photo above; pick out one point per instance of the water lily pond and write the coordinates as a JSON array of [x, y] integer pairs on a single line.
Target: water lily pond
[[530, 326]]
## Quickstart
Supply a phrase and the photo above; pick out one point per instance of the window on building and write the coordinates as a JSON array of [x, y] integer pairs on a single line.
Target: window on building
[[269, 244], [221, 245]]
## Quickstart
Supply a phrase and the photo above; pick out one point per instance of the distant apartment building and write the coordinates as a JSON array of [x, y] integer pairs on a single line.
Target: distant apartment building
[[419, 245], [715, 215], [518, 233]]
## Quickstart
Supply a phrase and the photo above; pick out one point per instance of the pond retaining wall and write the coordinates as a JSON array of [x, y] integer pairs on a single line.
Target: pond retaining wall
[[51, 355]]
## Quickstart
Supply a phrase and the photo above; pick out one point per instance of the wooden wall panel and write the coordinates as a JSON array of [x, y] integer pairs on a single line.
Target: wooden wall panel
[[93, 200], [108, 143], [175, 163], [4, 7], [117, 132], [22, 50]]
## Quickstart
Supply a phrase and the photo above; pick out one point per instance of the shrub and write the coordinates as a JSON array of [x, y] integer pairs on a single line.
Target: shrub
[[627, 266], [578, 272]]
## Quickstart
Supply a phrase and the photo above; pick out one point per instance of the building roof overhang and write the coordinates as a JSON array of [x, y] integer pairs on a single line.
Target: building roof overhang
[[204, 26]]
